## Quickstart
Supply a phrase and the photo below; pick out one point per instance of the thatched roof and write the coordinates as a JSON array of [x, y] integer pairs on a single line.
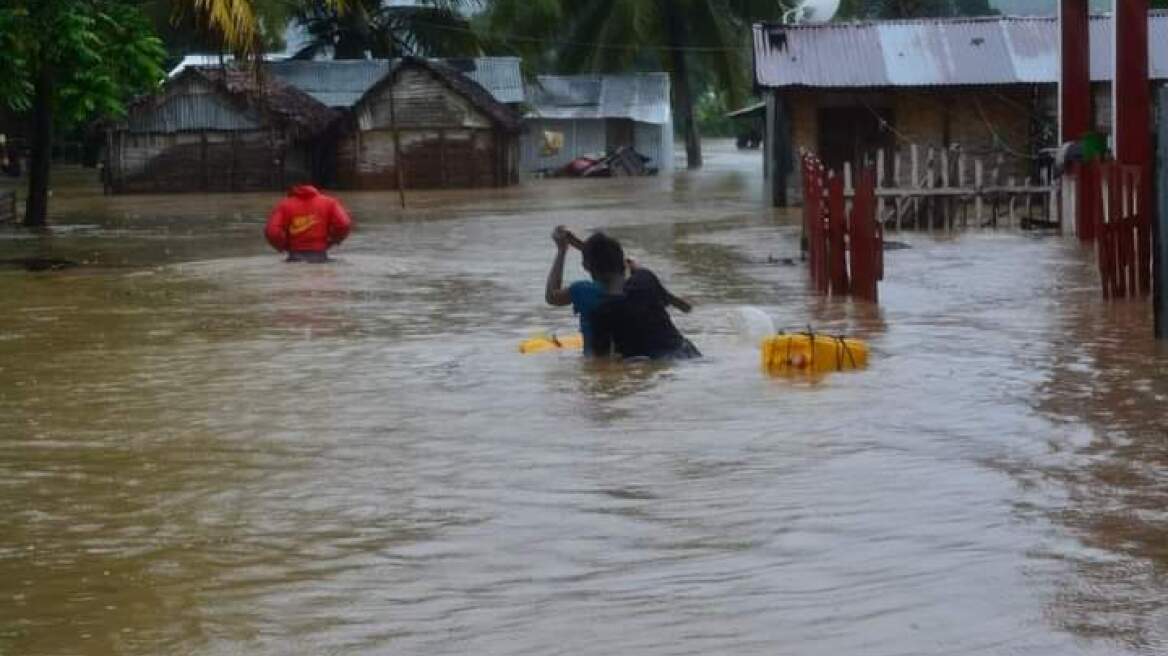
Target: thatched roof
[[480, 98], [267, 95]]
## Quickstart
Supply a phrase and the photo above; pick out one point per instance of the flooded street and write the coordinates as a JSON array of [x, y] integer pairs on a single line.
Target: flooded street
[[204, 450]]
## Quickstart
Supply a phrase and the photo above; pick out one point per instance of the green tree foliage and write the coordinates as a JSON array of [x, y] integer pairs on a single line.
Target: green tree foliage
[[186, 27], [72, 61], [373, 27], [687, 38]]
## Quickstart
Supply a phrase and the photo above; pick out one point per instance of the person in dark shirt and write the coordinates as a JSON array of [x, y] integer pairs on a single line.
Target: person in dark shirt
[[632, 319]]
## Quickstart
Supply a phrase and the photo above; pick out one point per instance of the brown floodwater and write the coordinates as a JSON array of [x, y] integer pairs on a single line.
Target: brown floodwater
[[204, 450]]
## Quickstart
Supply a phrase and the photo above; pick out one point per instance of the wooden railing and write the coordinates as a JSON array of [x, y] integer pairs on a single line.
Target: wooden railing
[[1120, 223], [844, 241], [944, 188]]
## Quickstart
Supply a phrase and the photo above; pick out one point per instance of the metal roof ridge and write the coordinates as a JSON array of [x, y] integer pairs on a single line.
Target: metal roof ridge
[[940, 20]]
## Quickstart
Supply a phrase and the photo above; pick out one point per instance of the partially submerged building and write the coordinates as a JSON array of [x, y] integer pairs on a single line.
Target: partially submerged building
[[573, 116], [429, 126], [216, 129], [341, 83], [986, 87]]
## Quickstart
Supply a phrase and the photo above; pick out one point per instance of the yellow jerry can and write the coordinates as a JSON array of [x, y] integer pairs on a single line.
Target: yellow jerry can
[[543, 343], [812, 353]]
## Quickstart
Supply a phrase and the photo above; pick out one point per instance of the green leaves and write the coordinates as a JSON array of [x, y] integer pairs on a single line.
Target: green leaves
[[15, 84], [101, 53], [436, 28]]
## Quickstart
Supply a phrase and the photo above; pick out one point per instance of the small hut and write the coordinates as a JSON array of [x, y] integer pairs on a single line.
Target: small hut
[[216, 129], [590, 115], [449, 130]]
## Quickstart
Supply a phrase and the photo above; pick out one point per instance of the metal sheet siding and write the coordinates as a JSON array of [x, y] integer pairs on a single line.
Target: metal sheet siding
[[641, 97], [501, 76], [333, 83], [342, 83], [581, 137], [187, 112], [933, 52], [589, 137], [656, 142]]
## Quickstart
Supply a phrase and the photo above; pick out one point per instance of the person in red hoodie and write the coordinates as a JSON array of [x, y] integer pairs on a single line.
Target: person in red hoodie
[[306, 224]]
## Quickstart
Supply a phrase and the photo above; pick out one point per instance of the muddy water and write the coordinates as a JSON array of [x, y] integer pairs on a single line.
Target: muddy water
[[206, 451]]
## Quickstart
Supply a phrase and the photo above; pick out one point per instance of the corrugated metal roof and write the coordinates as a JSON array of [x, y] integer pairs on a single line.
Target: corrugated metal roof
[[642, 97], [933, 52], [341, 83]]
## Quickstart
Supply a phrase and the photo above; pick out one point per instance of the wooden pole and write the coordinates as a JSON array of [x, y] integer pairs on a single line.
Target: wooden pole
[[1075, 98], [1132, 119], [399, 161], [1160, 232]]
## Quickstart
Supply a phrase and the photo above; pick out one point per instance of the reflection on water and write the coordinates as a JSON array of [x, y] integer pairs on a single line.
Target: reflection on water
[[204, 450]]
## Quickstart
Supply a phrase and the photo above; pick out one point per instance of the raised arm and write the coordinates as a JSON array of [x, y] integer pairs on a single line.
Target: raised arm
[[555, 293]]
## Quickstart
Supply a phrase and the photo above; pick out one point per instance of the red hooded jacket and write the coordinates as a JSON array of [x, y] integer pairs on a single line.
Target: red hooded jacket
[[307, 220]]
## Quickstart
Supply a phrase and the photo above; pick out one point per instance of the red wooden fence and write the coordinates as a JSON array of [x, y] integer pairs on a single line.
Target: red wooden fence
[[845, 245], [1120, 221]]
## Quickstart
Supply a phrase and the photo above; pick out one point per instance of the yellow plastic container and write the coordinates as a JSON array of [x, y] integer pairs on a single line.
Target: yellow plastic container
[[811, 353], [543, 343]]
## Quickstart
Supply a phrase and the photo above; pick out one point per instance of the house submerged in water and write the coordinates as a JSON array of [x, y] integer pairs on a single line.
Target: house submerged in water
[[220, 128], [573, 116], [428, 126], [986, 87], [217, 129]]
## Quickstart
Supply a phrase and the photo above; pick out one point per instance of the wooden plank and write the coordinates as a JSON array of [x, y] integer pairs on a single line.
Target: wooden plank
[[399, 159], [836, 237], [945, 204], [1160, 227], [863, 231], [979, 184]]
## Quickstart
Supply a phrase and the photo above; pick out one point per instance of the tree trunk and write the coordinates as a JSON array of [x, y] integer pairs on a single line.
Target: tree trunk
[[37, 209], [675, 33]]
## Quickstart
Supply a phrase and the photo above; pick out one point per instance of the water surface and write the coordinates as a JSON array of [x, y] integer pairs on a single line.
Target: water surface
[[204, 450]]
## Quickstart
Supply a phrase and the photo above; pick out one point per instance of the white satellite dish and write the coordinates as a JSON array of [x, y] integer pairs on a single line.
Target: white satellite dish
[[811, 11]]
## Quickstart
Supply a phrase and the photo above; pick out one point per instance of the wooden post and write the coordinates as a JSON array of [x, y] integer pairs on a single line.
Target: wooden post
[[866, 247], [979, 186], [1009, 203], [204, 178], [1160, 226], [915, 183], [1132, 120], [945, 202], [399, 161], [442, 158], [1075, 101], [962, 165], [837, 235]]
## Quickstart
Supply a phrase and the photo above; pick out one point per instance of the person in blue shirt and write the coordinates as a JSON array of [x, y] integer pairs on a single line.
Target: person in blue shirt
[[582, 295], [604, 260]]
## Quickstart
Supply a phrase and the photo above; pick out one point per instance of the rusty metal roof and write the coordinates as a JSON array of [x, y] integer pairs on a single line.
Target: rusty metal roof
[[932, 52]]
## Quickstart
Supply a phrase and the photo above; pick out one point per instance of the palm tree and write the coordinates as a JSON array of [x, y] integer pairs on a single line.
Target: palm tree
[[426, 28], [239, 24], [619, 35]]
